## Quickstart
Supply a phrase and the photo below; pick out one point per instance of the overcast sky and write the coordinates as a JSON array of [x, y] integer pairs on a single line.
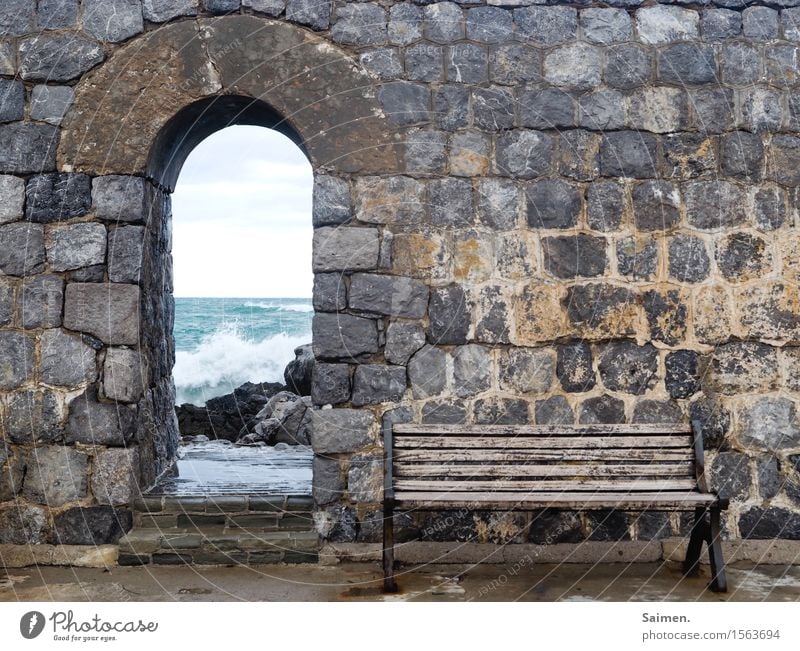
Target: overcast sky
[[242, 217]]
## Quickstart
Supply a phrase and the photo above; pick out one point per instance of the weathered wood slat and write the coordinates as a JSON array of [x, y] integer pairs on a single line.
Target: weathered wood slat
[[682, 470], [564, 500], [486, 442], [477, 454], [542, 430], [576, 484]]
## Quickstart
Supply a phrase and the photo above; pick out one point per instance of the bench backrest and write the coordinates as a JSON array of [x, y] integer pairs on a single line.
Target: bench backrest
[[543, 458]]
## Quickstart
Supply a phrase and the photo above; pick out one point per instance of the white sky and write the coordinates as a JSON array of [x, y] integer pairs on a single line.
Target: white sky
[[241, 216]]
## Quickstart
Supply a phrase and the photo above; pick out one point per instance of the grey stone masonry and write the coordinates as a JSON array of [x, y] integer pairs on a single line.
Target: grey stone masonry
[[107, 311]]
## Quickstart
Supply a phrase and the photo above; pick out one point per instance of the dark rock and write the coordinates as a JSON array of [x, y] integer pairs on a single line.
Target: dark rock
[[55, 197], [714, 204], [472, 366], [493, 108], [719, 24], [28, 148], [655, 206], [687, 63], [33, 416], [450, 202], [390, 295], [769, 523], [741, 155], [552, 204], [628, 153], [554, 411], [637, 258], [42, 301], [343, 524], [449, 315], [546, 25], [16, 353], [605, 205], [427, 372], [730, 476], [343, 336], [742, 256], [93, 525], [608, 525], [444, 412], [514, 63], [574, 367], [740, 63], [682, 373], [546, 108], [22, 524], [626, 367], [588, 306], [769, 480], [98, 423], [575, 255], [653, 525], [315, 14], [282, 420], [12, 100], [402, 341], [714, 420], [336, 431], [297, 374], [405, 102], [330, 292], [493, 324], [523, 153], [656, 412], [769, 423], [329, 482], [628, 66], [57, 57], [688, 259], [550, 526], [330, 384], [741, 367], [377, 383], [424, 62], [689, 155], [56, 475], [602, 410], [501, 411], [12, 471], [667, 313], [467, 63], [769, 208], [450, 102]]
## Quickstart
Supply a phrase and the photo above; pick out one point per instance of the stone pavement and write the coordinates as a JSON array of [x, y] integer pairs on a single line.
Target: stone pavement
[[361, 582]]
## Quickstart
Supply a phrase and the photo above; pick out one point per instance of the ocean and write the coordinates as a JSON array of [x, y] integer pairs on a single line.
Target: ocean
[[223, 342]]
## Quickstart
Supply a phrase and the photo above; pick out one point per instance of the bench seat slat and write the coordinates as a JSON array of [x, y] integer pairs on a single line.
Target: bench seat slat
[[531, 443], [608, 455], [682, 470], [575, 484], [541, 430], [564, 500]]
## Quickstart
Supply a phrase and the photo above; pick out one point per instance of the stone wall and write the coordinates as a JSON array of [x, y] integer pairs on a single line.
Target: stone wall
[[523, 213]]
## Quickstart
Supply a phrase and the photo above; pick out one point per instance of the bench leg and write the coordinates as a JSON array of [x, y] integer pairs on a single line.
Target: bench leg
[[719, 582], [389, 583], [691, 565]]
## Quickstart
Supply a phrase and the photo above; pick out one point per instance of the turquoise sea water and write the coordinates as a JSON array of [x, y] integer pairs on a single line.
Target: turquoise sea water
[[223, 342]]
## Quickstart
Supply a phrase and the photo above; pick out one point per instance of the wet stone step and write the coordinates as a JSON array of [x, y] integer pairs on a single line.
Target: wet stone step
[[167, 504]]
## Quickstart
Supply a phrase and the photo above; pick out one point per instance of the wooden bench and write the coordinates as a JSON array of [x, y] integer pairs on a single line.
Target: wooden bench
[[529, 467]]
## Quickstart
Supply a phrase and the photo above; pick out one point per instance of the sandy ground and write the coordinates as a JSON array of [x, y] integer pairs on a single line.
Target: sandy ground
[[361, 582]]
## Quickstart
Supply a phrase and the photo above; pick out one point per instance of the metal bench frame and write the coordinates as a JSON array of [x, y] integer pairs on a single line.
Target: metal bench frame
[[707, 505]]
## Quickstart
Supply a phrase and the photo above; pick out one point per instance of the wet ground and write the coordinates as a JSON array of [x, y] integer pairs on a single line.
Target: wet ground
[[222, 468], [361, 582]]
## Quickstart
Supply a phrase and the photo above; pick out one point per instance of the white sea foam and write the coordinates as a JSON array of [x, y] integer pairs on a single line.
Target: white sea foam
[[225, 359], [290, 307]]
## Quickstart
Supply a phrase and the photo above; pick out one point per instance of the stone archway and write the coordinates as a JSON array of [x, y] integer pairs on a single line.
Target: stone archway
[[132, 125]]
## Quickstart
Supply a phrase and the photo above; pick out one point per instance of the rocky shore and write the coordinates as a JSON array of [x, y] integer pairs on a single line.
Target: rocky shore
[[266, 413]]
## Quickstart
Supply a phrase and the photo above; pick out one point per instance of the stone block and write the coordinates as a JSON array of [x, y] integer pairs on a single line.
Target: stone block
[[377, 383], [449, 315], [16, 359], [12, 198], [330, 292], [687, 64], [389, 200], [665, 24], [57, 58], [472, 370], [769, 423], [628, 153], [570, 256], [602, 410], [501, 411], [360, 24], [514, 63], [51, 103], [523, 154], [626, 367], [489, 25], [682, 378], [659, 109], [539, 315], [56, 197], [42, 301], [719, 24], [451, 107], [98, 423], [638, 257], [550, 526], [553, 203], [66, 360], [546, 25], [425, 62], [574, 367], [740, 63], [730, 476], [93, 525], [783, 159], [741, 367], [23, 252], [527, 370], [761, 523], [383, 62], [405, 102], [33, 416], [27, 148], [760, 23], [336, 431], [546, 108], [12, 100], [656, 412], [493, 109], [402, 341], [576, 66], [689, 155], [125, 254], [427, 372], [688, 259], [628, 66], [713, 314], [220, 7], [554, 411], [365, 479], [8, 300], [160, 11], [599, 310], [578, 152], [56, 475], [605, 205], [498, 203], [606, 25], [666, 311], [467, 63], [112, 20], [124, 375], [110, 312], [329, 485], [742, 256], [330, 383], [337, 249], [470, 152], [115, 475], [444, 412], [405, 24], [602, 110], [767, 310], [313, 13], [343, 336], [443, 22], [493, 323], [76, 245], [762, 109], [119, 198], [23, 524], [425, 154]]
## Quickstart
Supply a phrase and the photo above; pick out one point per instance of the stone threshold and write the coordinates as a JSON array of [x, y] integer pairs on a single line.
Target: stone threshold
[[764, 552]]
